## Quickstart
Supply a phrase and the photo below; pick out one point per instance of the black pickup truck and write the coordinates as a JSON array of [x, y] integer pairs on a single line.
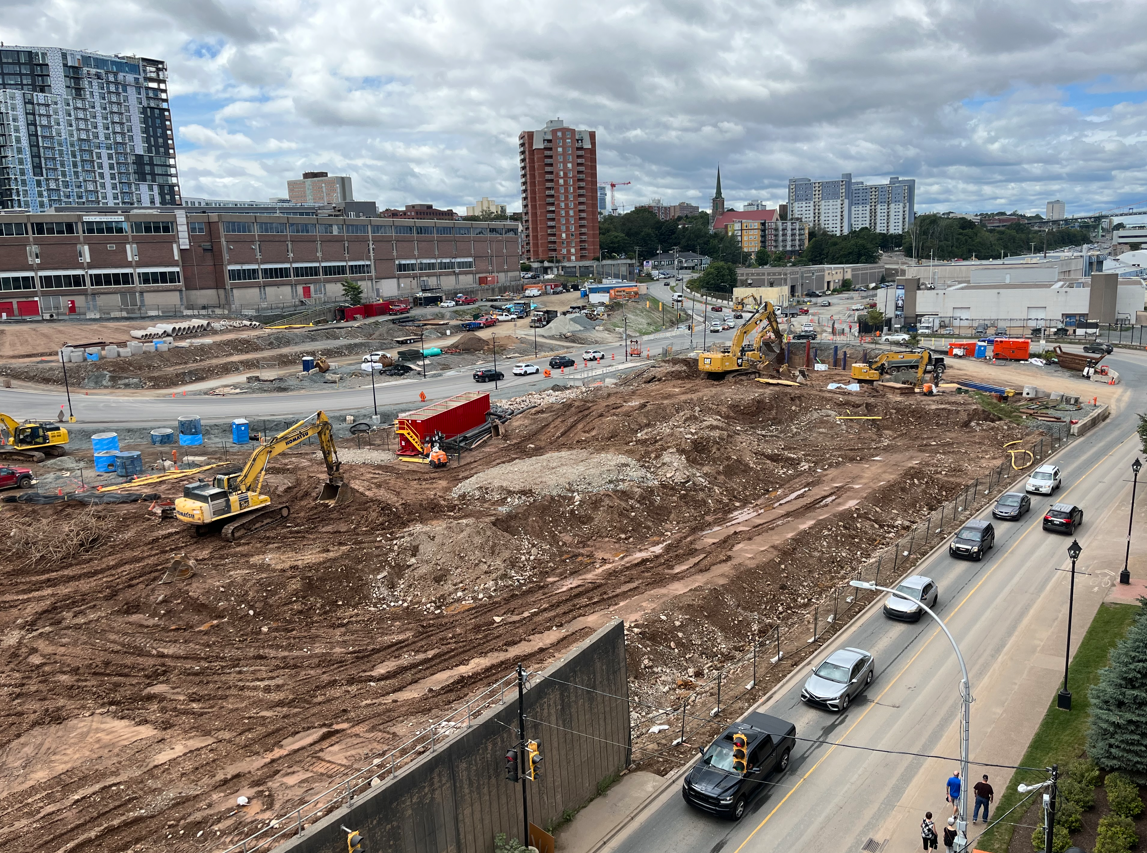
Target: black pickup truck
[[740, 764]]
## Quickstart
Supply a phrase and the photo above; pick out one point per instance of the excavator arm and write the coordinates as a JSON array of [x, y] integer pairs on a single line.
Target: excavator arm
[[764, 319], [251, 477]]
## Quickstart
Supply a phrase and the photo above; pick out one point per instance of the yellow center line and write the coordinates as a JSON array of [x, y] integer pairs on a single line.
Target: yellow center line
[[912, 660]]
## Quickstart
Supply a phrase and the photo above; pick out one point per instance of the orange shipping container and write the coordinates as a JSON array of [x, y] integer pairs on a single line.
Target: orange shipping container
[[1017, 349]]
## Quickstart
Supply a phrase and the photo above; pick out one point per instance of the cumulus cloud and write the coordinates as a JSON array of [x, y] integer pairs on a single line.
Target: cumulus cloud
[[987, 105]]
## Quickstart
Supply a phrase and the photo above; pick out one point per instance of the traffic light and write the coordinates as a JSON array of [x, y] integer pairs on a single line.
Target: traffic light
[[512, 765], [533, 758], [740, 752], [353, 842]]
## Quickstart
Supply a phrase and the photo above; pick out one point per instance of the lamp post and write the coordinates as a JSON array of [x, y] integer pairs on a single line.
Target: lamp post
[[1125, 575], [494, 344], [373, 395], [422, 347], [625, 336], [1063, 701], [965, 695], [68, 392]]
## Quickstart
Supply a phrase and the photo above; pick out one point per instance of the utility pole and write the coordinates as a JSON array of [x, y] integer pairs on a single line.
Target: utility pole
[[494, 344], [68, 392], [625, 336], [1049, 810], [521, 746]]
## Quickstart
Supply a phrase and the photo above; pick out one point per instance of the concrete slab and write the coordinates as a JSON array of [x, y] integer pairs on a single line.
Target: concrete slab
[[598, 820]]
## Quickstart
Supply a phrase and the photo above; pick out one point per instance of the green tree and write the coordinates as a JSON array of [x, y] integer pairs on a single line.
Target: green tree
[[526, 267], [719, 277], [1119, 705], [352, 292], [763, 257], [846, 285], [1142, 430], [875, 318], [1134, 247]]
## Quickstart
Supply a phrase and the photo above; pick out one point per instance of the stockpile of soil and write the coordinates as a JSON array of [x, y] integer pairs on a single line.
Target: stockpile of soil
[[469, 342]]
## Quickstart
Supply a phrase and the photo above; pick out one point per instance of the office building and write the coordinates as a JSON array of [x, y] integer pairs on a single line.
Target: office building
[[558, 166], [486, 207], [320, 188], [420, 211], [756, 229], [1056, 210], [84, 128], [845, 205]]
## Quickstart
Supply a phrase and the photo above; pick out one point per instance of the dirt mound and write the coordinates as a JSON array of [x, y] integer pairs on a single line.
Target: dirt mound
[[568, 472], [469, 342]]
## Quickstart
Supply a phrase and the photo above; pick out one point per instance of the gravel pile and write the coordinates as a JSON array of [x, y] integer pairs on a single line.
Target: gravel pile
[[363, 456], [569, 472], [541, 398], [570, 324]]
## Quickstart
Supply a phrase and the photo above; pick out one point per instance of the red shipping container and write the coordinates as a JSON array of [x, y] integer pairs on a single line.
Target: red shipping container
[[487, 280], [967, 349], [353, 312], [1016, 349], [451, 417]]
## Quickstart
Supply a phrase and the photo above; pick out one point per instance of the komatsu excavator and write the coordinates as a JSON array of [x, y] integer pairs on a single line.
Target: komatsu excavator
[[756, 343], [233, 503], [31, 441]]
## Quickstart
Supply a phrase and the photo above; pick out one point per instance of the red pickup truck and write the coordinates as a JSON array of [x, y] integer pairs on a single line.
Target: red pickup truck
[[488, 321], [465, 300], [15, 478]]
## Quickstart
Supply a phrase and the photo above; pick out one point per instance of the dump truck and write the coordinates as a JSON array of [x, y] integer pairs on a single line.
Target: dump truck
[[542, 318]]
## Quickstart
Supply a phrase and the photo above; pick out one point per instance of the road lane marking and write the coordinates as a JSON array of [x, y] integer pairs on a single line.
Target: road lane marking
[[875, 703]]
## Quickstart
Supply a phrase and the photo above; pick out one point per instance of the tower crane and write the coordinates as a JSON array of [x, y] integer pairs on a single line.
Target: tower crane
[[613, 185]]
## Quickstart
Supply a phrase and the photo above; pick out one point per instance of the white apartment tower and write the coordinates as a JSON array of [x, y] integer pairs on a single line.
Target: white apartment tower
[[842, 206]]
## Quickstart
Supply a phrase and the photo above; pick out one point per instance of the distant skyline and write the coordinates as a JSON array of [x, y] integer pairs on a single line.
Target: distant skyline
[[988, 106]]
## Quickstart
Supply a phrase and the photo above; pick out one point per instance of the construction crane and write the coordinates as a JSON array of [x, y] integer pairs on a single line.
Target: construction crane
[[30, 441], [764, 348], [237, 495], [613, 185]]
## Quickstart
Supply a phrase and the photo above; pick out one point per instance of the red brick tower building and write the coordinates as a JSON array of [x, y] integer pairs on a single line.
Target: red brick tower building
[[559, 193]]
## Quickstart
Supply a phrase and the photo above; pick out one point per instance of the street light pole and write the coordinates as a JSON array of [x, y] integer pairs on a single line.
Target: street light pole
[[72, 416], [422, 347], [965, 695], [373, 395], [1063, 701], [494, 344], [1125, 575], [625, 336]]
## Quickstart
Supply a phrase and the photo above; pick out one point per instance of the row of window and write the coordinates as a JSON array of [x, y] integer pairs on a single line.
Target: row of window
[[276, 273], [434, 265], [230, 227], [58, 281]]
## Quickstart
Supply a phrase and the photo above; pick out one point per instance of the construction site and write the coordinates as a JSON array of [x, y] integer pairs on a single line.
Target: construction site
[[152, 676]]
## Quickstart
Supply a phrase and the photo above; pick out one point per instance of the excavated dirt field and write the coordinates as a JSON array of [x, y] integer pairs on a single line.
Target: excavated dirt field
[[134, 713]]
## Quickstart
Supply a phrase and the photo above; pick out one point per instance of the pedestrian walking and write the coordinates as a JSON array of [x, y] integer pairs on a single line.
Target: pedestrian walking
[[952, 795], [984, 795], [950, 834], [928, 832]]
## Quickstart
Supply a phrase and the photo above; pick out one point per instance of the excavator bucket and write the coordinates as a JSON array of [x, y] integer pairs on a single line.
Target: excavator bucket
[[334, 493]]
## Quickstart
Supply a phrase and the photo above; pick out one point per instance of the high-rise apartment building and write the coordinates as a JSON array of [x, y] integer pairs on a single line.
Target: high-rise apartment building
[[842, 206], [82, 128], [558, 167], [320, 188], [602, 200], [486, 207], [1056, 209]]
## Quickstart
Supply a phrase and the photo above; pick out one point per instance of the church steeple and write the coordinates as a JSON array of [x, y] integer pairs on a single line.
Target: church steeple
[[717, 194], [718, 202]]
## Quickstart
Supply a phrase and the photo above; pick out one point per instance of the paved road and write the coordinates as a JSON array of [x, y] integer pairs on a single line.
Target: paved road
[[836, 798]]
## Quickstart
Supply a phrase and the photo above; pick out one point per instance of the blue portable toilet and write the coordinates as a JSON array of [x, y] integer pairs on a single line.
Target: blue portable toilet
[[240, 431], [981, 349], [190, 432], [308, 363]]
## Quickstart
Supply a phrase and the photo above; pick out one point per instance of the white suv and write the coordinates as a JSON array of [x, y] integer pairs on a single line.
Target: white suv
[[1044, 480]]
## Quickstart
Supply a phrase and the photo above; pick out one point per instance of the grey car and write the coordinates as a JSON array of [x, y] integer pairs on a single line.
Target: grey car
[[839, 679], [921, 589]]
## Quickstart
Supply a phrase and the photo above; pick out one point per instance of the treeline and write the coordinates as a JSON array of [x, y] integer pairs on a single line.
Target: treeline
[[949, 239], [642, 232]]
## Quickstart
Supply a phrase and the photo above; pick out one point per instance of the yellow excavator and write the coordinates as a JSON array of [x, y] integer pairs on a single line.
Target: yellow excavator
[[905, 367], [31, 441], [212, 505], [765, 346]]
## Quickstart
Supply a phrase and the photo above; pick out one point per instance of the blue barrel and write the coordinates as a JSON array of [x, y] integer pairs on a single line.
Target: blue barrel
[[128, 463], [308, 363], [190, 432], [105, 441], [240, 431], [105, 461], [163, 436], [981, 349]]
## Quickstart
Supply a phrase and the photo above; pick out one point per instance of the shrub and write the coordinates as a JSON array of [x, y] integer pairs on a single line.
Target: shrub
[[507, 845], [1123, 795], [1116, 835], [1083, 770], [1069, 816], [1119, 705], [1060, 840], [1078, 793]]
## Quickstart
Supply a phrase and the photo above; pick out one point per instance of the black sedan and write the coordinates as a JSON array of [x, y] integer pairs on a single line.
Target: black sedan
[[804, 336], [1100, 347], [560, 361], [487, 374], [1063, 518], [1012, 506]]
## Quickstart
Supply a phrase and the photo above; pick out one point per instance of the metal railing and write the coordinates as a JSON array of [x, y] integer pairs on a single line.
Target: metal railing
[[294, 822]]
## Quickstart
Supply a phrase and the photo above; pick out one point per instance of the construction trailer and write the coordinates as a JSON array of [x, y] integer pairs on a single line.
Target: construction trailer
[[450, 417]]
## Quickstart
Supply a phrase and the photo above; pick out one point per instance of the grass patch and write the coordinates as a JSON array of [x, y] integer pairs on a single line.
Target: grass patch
[[1000, 410], [1062, 735]]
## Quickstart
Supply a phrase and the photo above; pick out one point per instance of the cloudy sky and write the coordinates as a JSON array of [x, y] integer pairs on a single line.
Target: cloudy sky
[[989, 105]]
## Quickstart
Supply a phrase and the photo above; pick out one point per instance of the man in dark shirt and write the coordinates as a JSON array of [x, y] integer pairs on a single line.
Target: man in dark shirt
[[984, 795]]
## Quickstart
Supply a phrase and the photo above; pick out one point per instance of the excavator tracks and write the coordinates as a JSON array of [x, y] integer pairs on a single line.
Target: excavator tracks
[[253, 522], [21, 456]]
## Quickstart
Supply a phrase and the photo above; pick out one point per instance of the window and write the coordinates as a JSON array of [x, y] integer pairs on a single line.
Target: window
[[112, 279], [444, 229], [247, 274], [327, 228], [464, 264], [17, 282], [303, 228], [160, 277], [153, 228], [403, 229], [480, 230], [359, 268], [105, 227], [446, 265], [381, 229], [238, 227], [406, 266], [272, 227], [424, 266], [273, 273], [358, 229], [62, 280], [12, 229], [307, 271], [462, 230], [334, 269], [423, 229], [197, 227], [52, 228]]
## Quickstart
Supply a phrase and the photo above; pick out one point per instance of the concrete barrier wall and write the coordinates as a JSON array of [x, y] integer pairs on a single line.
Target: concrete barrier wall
[[456, 799], [1091, 421]]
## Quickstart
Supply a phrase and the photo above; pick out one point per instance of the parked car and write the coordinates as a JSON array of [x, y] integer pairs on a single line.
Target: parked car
[[896, 338], [449, 303], [716, 308], [741, 763], [981, 329], [1012, 505], [369, 365], [1063, 517], [525, 368], [398, 370], [824, 303], [505, 317], [975, 539], [802, 310], [804, 336], [465, 300], [1045, 480], [488, 321], [1101, 347], [921, 590], [839, 679], [15, 478], [592, 355], [488, 374]]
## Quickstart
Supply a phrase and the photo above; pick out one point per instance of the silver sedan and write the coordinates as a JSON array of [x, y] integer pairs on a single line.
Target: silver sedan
[[919, 589], [837, 681]]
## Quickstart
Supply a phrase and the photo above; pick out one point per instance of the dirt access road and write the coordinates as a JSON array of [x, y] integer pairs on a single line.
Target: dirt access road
[[135, 712]]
